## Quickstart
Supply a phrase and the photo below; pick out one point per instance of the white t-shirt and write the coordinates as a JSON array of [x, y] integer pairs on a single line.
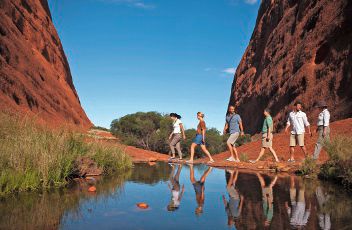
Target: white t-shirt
[[177, 127], [175, 197], [298, 121], [324, 118]]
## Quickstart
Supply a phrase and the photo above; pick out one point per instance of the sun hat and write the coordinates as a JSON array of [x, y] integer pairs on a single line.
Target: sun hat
[[321, 104]]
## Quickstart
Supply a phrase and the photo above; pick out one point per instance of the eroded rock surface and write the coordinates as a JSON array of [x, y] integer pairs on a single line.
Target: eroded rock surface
[[299, 50], [35, 77]]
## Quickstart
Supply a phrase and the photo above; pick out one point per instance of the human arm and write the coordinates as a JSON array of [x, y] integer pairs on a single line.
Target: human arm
[[241, 127], [183, 131], [241, 205], [182, 191], [326, 121], [203, 127], [288, 124], [307, 125], [225, 128], [224, 200]]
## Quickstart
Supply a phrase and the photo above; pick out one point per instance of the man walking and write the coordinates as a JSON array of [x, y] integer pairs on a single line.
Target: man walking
[[298, 122], [234, 126], [267, 137], [323, 128]]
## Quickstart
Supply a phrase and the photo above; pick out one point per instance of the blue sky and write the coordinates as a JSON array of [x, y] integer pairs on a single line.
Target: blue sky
[[154, 55]]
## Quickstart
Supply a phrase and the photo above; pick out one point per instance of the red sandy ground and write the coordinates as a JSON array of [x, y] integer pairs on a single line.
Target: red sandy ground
[[280, 144]]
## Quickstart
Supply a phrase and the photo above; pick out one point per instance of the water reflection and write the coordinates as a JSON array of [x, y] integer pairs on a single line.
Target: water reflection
[[242, 201], [199, 186], [233, 206], [298, 210], [175, 188]]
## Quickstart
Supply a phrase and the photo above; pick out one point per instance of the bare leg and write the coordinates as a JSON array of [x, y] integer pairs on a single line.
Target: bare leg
[[177, 176], [261, 153], [229, 146], [274, 154], [193, 146], [235, 151], [205, 174], [292, 151], [191, 176], [304, 150], [206, 152]]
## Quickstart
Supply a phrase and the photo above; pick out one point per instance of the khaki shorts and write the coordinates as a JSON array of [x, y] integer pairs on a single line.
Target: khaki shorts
[[296, 138], [233, 138], [267, 144]]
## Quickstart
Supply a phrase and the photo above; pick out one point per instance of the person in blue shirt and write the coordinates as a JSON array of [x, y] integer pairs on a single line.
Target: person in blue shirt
[[233, 125]]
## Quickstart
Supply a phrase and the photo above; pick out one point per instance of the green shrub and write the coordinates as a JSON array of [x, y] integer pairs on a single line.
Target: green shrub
[[339, 167], [308, 166]]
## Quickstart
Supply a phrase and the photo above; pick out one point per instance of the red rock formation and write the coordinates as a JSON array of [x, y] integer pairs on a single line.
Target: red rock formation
[[299, 50], [35, 77]]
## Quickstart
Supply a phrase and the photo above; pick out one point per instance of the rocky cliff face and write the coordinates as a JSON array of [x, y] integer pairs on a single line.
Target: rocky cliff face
[[35, 76], [299, 50]]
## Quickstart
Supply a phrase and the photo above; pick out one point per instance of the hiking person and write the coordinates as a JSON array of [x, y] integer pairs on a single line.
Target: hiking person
[[175, 136], [268, 199], [200, 139], [297, 211], [233, 207], [233, 125], [199, 188], [175, 188], [323, 128], [267, 137], [298, 122]]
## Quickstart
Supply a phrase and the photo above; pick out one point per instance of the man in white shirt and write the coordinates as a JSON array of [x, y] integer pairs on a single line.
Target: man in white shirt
[[323, 128], [298, 122]]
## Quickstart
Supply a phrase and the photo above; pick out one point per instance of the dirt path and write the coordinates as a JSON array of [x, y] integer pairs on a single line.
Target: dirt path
[[251, 150]]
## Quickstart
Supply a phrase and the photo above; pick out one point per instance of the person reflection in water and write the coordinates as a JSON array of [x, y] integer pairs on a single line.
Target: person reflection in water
[[233, 207], [297, 212], [176, 191], [267, 196], [199, 188], [323, 211]]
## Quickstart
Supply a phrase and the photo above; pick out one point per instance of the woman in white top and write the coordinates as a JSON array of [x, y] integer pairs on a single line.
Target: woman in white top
[[323, 128], [175, 136]]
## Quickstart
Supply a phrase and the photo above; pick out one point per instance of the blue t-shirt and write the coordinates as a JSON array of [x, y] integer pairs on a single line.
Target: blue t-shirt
[[233, 120]]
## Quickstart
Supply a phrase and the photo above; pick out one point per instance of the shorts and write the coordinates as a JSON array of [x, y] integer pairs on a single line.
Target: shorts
[[297, 138], [198, 186], [265, 143], [233, 138], [198, 139]]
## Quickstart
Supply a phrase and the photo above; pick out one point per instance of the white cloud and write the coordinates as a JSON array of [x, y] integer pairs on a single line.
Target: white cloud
[[231, 71], [131, 3], [236, 2], [251, 2]]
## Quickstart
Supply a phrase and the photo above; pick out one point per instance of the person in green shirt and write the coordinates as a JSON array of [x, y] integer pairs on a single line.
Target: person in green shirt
[[267, 137]]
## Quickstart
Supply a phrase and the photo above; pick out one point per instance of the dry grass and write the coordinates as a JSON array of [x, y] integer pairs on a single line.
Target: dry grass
[[33, 156]]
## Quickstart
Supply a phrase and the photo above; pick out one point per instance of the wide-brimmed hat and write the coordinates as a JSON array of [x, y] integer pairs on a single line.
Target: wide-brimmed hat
[[321, 104]]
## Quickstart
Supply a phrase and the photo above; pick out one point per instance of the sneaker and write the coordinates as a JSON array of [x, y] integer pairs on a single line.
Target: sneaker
[[291, 160], [237, 161], [252, 161], [231, 159]]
